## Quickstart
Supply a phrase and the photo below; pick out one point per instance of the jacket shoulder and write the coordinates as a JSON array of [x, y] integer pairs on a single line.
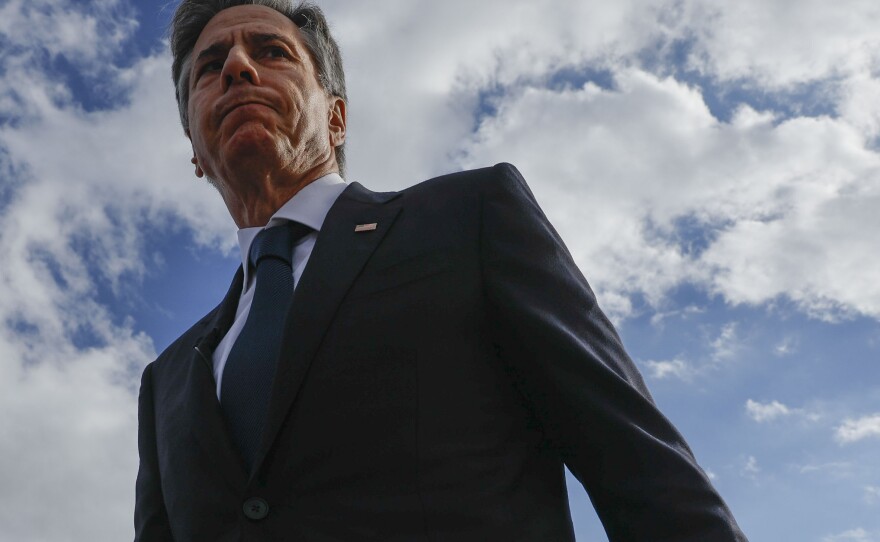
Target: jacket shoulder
[[500, 176]]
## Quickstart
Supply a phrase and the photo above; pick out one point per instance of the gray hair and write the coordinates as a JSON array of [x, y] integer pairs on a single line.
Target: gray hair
[[192, 16]]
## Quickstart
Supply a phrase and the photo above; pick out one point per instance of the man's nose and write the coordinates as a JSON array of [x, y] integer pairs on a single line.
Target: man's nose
[[239, 68]]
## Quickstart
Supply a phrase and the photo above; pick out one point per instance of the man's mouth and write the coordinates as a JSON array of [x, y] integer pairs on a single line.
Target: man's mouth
[[242, 105]]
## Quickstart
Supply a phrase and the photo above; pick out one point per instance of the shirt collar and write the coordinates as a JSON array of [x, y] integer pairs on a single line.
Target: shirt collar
[[309, 206]]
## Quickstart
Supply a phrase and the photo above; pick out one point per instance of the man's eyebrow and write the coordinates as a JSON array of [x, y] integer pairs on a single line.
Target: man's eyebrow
[[214, 49], [265, 37], [221, 47]]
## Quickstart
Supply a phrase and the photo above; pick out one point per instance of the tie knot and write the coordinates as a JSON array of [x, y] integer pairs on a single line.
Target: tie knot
[[277, 242]]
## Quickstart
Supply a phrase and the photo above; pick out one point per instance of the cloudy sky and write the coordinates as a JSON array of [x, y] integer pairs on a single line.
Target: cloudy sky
[[714, 167]]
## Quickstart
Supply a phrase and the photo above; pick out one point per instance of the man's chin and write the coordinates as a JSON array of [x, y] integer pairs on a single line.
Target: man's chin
[[250, 143]]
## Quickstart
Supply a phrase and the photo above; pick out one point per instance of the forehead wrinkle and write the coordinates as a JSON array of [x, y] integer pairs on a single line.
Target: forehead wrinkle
[[263, 37]]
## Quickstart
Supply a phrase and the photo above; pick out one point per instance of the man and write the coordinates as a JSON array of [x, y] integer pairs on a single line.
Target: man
[[411, 366]]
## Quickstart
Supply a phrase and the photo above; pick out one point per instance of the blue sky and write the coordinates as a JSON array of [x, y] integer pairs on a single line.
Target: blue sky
[[714, 170]]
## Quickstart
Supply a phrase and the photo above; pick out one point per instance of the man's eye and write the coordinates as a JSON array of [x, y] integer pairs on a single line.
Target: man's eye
[[276, 52], [214, 65]]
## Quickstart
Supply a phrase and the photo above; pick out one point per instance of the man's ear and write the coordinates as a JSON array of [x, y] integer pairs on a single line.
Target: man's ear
[[194, 160], [337, 121], [199, 172]]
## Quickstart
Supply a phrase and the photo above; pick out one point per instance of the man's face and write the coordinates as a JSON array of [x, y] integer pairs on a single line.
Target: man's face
[[255, 99]]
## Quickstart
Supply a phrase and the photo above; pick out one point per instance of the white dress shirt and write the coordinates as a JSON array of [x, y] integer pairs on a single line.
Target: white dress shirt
[[309, 206]]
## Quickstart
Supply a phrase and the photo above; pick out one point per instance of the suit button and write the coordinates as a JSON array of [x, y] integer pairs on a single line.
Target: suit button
[[256, 508]]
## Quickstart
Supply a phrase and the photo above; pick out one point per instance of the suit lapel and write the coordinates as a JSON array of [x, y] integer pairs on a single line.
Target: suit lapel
[[339, 255], [209, 427]]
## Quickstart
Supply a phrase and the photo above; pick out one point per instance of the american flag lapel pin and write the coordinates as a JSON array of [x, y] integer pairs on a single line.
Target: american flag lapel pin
[[365, 227]]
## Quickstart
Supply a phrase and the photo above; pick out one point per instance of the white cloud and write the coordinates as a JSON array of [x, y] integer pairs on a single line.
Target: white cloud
[[80, 33], [659, 317], [751, 468], [436, 79], [69, 437], [777, 43], [725, 346], [872, 494], [853, 535], [859, 103], [775, 410], [85, 35], [721, 349], [787, 346], [767, 412], [854, 430], [675, 368], [816, 256], [788, 205], [836, 468]]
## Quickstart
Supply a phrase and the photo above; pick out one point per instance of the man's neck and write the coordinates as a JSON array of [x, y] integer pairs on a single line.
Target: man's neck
[[254, 200]]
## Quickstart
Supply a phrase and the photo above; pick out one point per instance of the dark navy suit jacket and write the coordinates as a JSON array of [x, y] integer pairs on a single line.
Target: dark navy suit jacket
[[436, 374]]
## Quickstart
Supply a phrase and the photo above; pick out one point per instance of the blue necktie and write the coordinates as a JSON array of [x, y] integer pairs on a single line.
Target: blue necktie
[[250, 366]]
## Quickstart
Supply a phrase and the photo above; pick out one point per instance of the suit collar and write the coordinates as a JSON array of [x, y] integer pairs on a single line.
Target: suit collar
[[220, 320], [208, 425], [339, 255], [309, 206]]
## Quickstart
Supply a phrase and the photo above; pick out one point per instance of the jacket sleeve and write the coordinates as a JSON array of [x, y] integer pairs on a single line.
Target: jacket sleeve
[[569, 363], [150, 517]]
